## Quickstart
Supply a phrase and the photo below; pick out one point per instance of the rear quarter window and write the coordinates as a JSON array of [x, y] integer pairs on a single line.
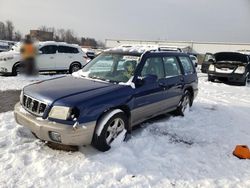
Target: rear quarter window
[[67, 49], [187, 65]]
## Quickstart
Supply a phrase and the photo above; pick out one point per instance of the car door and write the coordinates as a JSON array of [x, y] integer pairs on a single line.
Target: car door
[[174, 82], [46, 58], [149, 96]]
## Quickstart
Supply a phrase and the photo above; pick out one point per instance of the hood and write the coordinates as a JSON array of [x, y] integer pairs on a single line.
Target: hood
[[55, 89], [231, 56], [9, 53]]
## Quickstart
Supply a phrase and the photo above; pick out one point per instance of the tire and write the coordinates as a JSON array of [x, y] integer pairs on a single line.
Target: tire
[[210, 79], [16, 69], [245, 82], [184, 104], [74, 67], [113, 127]]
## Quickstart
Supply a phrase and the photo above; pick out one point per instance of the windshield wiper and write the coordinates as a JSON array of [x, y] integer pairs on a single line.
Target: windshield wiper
[[97, 78], [103, 79]]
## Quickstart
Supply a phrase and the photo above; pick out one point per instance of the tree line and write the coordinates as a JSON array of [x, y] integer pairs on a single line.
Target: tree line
[[68, 35], [8, 32]]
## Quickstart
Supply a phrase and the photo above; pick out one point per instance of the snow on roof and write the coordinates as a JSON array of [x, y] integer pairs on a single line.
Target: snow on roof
[[134, 48], [143, 48], [57, 43]]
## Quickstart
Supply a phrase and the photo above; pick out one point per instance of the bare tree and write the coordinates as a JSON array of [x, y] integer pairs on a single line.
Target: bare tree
[[7, 32], [47, 29], [2, 31], [17, 36], [9, 29]]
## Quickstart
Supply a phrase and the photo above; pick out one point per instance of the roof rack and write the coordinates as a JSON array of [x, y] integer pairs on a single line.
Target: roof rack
[[146, 48]]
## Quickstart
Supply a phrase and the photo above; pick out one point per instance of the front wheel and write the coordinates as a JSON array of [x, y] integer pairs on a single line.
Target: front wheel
[[111, 130], [185, 104]]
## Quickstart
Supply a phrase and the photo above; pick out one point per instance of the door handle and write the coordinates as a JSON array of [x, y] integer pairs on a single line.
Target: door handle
[[164, 85], [51, 57]]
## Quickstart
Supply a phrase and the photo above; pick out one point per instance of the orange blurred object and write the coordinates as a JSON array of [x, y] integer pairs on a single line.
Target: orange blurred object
[[242, 152], [28, 51]]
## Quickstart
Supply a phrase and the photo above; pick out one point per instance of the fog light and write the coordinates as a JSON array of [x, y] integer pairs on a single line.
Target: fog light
[[55, 136]]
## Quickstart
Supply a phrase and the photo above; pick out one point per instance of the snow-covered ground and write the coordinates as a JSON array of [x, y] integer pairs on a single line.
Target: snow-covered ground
[[17, 83], [194, 151]]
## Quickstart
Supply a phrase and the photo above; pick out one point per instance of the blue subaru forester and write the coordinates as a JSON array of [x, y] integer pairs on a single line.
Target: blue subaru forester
[[119, 89]]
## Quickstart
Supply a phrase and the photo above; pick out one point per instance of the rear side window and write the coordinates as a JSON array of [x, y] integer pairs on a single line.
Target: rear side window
[[50, 49], [67, 49], [171, 66], [187, 65]]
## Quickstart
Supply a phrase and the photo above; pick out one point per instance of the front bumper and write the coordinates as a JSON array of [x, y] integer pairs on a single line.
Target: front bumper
[[5, 67], [195, 93], [232, 77], [4, 71], [41, 128]]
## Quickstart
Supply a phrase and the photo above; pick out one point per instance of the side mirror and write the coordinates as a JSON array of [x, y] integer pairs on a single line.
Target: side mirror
[[148, 79], [40, 52]]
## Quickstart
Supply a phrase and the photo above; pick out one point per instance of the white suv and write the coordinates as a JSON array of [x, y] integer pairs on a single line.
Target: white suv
[[52, 56]]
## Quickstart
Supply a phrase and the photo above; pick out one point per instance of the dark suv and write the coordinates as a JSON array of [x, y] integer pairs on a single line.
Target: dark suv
[[118, 89]]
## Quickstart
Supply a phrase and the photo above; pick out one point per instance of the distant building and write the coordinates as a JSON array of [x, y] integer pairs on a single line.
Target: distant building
[[41, 35], [187, 46]]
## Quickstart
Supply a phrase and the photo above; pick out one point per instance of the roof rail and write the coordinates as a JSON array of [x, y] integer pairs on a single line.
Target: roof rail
[[137, 48]]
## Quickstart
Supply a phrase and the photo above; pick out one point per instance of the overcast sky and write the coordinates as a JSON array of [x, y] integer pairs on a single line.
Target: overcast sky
[[197, 20]]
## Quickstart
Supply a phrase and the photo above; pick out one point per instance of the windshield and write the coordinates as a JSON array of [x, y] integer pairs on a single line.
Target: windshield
[[111, 67], [209, 57]]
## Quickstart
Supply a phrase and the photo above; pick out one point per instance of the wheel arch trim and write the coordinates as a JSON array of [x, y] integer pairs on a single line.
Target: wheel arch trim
[[104, 119]]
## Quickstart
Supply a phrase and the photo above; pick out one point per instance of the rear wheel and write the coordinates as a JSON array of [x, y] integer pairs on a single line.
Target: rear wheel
[[185, 104], [110, 131], [74, 67]]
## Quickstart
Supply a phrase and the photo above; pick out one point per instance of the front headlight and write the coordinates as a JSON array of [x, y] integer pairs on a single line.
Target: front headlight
[[211, 68], [240, 70], [60, 112], [64, 113]]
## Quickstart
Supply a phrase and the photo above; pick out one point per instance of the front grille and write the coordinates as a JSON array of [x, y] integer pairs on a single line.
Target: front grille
[[34, 106]]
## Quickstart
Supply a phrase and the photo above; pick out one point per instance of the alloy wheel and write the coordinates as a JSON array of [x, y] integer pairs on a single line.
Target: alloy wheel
[[75, 68], [185, 104], [114, 129]]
